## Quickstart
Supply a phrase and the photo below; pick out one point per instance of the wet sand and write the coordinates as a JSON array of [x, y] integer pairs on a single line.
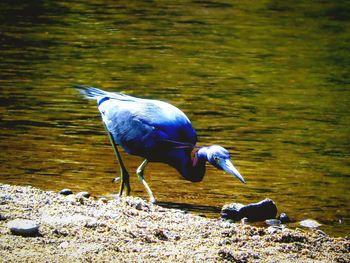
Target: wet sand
[[79, 229]]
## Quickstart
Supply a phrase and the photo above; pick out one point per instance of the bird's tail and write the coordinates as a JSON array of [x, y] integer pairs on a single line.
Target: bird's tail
[[91, 93]]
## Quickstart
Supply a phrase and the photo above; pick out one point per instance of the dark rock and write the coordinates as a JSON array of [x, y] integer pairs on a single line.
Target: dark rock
[[66, 192], [261, 211], [231, 211], [23, 227], [284, 218]]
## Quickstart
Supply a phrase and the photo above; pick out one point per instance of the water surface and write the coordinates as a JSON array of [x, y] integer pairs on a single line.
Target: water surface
[[268, 80]]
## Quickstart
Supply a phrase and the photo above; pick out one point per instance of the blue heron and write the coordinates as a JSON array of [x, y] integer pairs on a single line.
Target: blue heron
[[158, 132]]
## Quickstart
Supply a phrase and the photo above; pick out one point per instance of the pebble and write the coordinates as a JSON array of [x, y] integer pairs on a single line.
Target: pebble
[[284, 218], [103, 200], [23, 227], [139, 205], [274, 229], [309, 223], [82, 194], [273, 222], [116, 180], [66, 191], [3, 217]]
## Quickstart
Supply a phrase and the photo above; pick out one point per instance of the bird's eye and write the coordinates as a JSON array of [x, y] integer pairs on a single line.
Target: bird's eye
[[216, 158]]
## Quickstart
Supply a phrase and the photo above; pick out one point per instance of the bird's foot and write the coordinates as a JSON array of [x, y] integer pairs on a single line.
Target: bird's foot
[[152, 200], [124, 186]]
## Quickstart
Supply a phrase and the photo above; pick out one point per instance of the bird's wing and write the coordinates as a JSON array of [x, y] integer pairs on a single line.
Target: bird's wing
[[139, 125]]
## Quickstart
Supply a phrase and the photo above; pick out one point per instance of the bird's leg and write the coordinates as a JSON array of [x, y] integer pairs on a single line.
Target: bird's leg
[[124, 182], [139, 173]]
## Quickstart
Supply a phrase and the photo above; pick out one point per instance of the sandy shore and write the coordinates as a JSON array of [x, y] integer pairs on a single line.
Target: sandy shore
[[77, 229]]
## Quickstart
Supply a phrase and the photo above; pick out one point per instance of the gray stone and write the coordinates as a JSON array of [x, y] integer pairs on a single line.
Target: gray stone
[[309, 223], [273, 222], [23, 227], [82, 194]]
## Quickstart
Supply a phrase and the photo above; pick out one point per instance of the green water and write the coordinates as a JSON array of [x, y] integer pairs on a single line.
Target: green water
[[268, 80]]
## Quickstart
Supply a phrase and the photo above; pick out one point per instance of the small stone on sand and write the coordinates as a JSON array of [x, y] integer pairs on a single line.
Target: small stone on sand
[[23, 227], [66, 191], [310, 223]]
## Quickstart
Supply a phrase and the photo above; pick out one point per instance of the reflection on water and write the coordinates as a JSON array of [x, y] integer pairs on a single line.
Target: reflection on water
[[269, 81]]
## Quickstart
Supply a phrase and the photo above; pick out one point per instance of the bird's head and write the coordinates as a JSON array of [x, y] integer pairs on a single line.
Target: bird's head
[[219, 157]]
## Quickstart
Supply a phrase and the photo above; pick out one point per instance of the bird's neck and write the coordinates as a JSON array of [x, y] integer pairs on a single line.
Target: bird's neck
[[194, 169]]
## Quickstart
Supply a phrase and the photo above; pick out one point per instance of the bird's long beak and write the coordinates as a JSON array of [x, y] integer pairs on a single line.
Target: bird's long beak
[[228, 167]]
